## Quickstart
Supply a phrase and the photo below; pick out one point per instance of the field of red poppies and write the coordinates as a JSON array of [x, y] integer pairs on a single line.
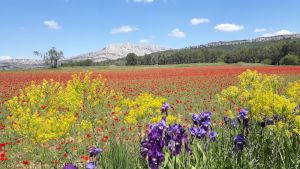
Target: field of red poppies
[[188, 89], [161, 81], [184, 86]]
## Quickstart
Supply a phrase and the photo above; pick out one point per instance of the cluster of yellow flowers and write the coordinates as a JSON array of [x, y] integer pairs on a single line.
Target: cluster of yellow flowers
[[47, 111], [171, 119], [145, 107], [293, 91], [297, 125], [142, 107], [93, 91], [264, 95], [53, 110], [43, 112]]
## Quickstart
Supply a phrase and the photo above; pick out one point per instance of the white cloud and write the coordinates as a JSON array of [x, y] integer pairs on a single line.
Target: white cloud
[[280, 32], [123, 29], [284, 32], [5, 57], [260, 30], [144, 41], [51, 24], [227, 27], [144, 1], [197, 21], [177, 33]]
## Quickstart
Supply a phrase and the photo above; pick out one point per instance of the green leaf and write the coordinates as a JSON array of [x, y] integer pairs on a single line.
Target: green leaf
[[167, 159]]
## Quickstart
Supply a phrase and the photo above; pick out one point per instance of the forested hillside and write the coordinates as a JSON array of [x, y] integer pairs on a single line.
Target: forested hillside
[[272, 52]]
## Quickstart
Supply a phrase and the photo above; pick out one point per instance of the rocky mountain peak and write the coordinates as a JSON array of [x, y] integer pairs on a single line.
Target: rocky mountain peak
[[116, 51]]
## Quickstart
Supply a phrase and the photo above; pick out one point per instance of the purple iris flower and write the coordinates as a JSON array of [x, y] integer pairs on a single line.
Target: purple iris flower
[[193, 131], [91, 165], [262, 124], [175, 137], [276, 117], [243, 114], [226, 119], [153, 150], [155, 135], [266, 121], [200, 118], [159, 135], [233, 123], [203, 125], [186, 143], [239, 141], [201, 133], [213, 136], [269, 121], [162, 124], [196, 118], [198, 132], [152, 146], [174, 147], [144, 147], [95, 151], [165, 107], [155, 159], [69, 166], [188, 149], [205, 115]]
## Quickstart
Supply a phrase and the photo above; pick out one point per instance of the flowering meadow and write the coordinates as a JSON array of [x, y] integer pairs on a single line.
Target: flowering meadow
[[177, 117]]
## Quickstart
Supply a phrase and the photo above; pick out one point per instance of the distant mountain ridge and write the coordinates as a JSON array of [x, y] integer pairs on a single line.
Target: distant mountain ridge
[[116, 51], [238, 42], [110, 52], [10, 64]]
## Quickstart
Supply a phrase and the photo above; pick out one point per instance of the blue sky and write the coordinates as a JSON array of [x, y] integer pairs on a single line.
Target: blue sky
[[80, 26]]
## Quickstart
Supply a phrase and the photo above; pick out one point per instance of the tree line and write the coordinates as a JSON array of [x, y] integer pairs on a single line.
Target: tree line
[[283, 52]]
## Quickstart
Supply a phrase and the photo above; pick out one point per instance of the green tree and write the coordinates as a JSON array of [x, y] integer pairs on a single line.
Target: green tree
[[51, 57], [147, 60], [131, 59], [290, 60]]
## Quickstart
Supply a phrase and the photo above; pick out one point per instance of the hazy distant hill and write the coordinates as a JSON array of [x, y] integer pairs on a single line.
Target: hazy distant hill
[[256, 40], [10, 64], [116, 51], [110, 52]]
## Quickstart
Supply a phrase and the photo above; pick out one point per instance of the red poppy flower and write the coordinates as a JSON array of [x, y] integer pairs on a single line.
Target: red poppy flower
[[86, 158], [3, 158], [43, 106], [25, 162], [55, 162], [2, 154]]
